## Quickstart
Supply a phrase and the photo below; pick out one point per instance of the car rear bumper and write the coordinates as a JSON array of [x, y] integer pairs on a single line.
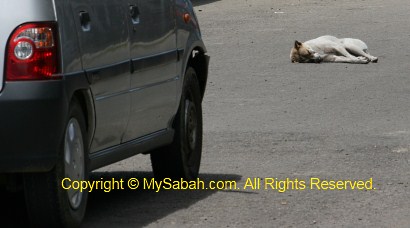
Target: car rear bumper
[[32, 118]]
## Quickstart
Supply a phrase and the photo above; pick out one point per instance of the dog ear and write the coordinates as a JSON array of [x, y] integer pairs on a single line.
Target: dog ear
[[297, 44]]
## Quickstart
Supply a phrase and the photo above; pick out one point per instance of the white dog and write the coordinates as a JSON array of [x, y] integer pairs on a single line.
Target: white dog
[[331, 49]]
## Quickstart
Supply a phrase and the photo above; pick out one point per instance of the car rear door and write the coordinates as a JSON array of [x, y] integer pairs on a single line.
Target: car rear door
[[104, 43], [154, 57]]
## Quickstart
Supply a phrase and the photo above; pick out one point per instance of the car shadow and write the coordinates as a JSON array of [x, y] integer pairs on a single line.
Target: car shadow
[[137, 208], [14, 212], [202, 2], [124, 208]]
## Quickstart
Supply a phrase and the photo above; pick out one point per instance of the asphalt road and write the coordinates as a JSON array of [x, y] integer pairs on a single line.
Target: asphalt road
[[265, 117]]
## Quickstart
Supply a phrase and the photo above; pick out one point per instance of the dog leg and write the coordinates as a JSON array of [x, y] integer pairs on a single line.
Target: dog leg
[[359, 52], [358, 47], [349, 58], [341, 50], [344, 59]]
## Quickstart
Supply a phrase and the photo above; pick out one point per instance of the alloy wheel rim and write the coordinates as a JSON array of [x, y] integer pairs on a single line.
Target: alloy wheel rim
[[191, 124], [74, 160]]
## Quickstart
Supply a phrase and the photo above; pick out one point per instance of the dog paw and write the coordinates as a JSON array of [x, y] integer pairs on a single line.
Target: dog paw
[[374, 60], [362, 59]]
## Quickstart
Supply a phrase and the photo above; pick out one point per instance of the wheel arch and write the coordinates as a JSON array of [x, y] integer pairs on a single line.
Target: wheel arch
[[199, 61], [85, 99]]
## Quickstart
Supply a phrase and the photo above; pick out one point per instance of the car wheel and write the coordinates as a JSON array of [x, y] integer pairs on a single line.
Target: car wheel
[[182, 158], [48, 203]]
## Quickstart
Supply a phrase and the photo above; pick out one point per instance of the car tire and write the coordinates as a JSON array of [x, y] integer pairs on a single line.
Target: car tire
[[182, 158], [47, 202]]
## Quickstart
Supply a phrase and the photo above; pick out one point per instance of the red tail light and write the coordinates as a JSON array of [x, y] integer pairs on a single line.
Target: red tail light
[[32, 52]]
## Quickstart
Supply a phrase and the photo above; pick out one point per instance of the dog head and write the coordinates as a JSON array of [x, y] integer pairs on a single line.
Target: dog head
[[302, 53]]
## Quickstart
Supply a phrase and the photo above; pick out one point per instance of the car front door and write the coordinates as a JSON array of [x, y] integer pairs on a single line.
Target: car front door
[[154, 57]]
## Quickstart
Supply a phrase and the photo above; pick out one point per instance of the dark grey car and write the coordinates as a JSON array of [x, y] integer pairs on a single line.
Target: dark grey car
[[87, 83]]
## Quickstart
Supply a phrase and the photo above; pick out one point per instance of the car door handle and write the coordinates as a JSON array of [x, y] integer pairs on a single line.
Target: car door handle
[[135, 14], [85, 21]]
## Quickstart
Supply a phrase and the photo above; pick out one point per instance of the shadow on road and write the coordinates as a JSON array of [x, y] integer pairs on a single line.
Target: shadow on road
[[14, 212], [120, 208], [202, 2], [136, 208]]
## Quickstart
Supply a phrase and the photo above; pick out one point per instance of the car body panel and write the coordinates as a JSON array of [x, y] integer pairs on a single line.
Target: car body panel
[[154, 58], [104, 46]]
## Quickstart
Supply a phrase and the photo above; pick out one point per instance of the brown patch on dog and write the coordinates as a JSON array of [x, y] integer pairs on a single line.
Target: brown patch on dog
[[300, 54]]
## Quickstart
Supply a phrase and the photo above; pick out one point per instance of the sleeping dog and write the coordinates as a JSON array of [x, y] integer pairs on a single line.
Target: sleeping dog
[[331, 49]]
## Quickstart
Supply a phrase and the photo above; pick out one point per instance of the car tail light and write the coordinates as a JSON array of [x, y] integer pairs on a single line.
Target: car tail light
[[32, 52]]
